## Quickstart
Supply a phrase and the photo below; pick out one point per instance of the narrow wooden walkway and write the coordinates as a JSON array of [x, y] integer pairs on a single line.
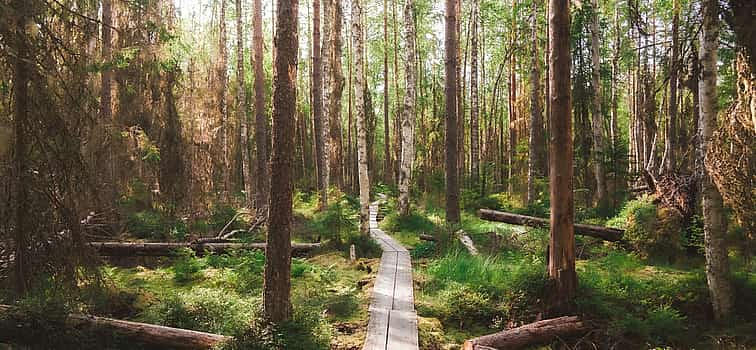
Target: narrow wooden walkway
[[393, 321]]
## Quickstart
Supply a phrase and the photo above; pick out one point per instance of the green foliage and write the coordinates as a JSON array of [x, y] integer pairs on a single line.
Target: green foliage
[[463, 303], [148, 224], [424, 250], [187, 266], [305, 331], [339, 218], [652, 232], [221, 215], [414, 222]]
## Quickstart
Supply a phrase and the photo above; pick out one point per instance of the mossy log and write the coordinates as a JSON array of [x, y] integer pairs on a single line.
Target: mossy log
[[18, 326], [167, 249], [541, 332], [605, 233]]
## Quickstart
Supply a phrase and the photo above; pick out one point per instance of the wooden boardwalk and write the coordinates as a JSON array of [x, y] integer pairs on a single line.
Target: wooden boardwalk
[[393, 321]]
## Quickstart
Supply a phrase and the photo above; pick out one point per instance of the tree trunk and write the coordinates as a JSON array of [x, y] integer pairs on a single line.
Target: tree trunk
[[613, 127], [335, 88], [168, 249], [359, 101], [605, 233], [562, 235], [475, 107], [596, 114], [670, 148], [223, 103], [21, 76], [715, 224], [536, 141], [387, 163], [541, 332], [16, 326], [452, 186], [398, 111], [277, 284], [261, 121], [243, 105], [408, 112], [321, 127]]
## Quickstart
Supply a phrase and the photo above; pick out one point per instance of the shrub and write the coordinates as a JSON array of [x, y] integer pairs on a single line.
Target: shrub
[[187, 266], [148, 224], [305, 331], [424, 250], [650, 231], [463, 304], [221, 215]]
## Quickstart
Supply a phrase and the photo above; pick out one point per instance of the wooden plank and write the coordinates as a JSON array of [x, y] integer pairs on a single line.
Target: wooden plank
[[403, 289], [383, 289], [402, 333], [377, 331]]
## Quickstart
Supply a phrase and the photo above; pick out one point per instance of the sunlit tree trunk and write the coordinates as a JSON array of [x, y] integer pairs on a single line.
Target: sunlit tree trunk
[[715, 224], [451, 57], [536, 140], [397, 156], [321, 127], [277, 283], [670, 147], [243, 104], [562, 235], [387, 163], [222, 101], [597, 117], [332, 52], [408, 112], [359, 102], [475, 107], [261, 121]]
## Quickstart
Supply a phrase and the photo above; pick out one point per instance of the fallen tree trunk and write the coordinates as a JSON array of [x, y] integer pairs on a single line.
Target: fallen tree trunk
[[605, 233], [19, 326], [540, 332], [429, 238], [166, 249], [466, 241]]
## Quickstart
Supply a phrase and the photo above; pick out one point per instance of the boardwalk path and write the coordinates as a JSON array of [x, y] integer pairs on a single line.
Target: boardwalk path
[[393, 321]]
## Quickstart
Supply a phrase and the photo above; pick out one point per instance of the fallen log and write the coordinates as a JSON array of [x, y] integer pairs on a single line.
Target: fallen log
[[466, 241], [18, 326], [429, 238], [605, 233], [167, 249], [540, 332]]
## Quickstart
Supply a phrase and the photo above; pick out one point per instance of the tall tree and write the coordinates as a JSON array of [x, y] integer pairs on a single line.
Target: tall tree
[[222, 75], [321, 128], [408, 113], [261, 121], [360, 92], [715, 224], [451, 57], [243, 105], [332, 52], [597, 117], [277, 284], [475, 107], [669, 158], [562, 234], [536, 140], [387, 163]]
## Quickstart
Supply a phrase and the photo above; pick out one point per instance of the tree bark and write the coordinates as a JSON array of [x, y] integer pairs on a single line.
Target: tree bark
[[321, 127], [243, 105], [536, 140], [670, 148], [15, 326], [332, 52], [168, 249], [398, 111], [408, 112], [715, 224], [223, 102], [597, 116], [605, 233], [562, 235], [387, 163], [540, 332], [277, 283], [451, 57], [261, 120], [359, 101], [475, 107]]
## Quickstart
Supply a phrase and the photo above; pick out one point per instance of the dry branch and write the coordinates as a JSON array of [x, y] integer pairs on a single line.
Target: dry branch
[[605, 233], [540, 332]]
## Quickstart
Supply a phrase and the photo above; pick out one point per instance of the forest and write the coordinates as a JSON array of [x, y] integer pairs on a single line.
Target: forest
[[377, 174]]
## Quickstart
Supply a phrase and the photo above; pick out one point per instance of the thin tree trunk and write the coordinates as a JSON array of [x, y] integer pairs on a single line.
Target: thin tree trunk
[[597, 116], [350, 122], [613, 127], [277, 283], [261, 121], [408, 120], [334, 86], [562, 234], [359, 101], [223, 103], [670, 148], [715, 224], [321, 124], [475, 107], [387, 163], [537, 142], [398, 112], [452, 186], [243, 105]]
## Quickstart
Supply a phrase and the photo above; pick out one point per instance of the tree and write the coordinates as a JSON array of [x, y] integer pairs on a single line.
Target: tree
[[408, 112], [597, 117], [277, 284], [360, 113], [452, 186], [669, 158], [561, 233], [243, 105], [332, 52], [222, 102], [536, 141], [474, 127], [261, 121], [321, 128], [715, 224], [387, 164]]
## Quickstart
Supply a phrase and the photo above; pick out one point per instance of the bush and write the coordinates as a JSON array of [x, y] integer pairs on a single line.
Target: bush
[[650, 231], [463, 304], [148, 224], [221, 215], [187, 266], [305, 331]]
